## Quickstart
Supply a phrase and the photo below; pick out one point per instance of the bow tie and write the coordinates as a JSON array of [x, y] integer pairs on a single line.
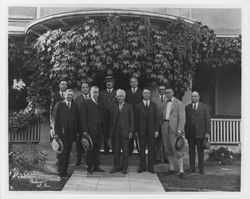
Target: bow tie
[[169, 100]]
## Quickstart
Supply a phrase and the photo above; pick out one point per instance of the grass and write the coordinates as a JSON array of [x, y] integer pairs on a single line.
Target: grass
[[196, 182]]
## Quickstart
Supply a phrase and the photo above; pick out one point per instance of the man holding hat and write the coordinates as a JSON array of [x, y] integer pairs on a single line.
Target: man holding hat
[[107, 99], [172, 125], [197, 129], [65, 127], [81, 119]]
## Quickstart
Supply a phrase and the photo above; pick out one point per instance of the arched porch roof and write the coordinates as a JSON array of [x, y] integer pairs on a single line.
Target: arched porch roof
[[59, 20]]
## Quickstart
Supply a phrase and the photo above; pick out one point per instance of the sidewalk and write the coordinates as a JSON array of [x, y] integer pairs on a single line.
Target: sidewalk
[[118, 182]]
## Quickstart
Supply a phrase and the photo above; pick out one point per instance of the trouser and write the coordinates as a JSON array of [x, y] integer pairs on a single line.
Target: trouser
[[79, 149], [192, 142], [120, 142], [149, 142], [63, 158], [106, 132], [159, 149], [92, 157]]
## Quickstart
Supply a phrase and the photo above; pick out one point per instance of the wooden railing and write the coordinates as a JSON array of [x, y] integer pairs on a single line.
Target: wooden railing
[[30, 134], [225, 131]]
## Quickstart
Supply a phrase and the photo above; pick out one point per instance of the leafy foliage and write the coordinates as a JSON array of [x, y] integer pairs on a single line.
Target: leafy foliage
[[20, 165], [166, 53]]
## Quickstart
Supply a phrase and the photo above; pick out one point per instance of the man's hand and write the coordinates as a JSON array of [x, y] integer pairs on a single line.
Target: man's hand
[[180, 133], [130, 135], [85, 133], [55, 136], [156, 134], [136, 134], [207, 135]]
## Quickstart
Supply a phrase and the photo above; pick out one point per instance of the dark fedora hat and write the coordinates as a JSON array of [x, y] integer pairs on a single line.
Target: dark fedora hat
[[86, 142], [57, 145], [109, 78], [179, 143]]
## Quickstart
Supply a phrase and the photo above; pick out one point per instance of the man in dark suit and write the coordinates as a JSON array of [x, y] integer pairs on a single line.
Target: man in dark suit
[[107, 99], [56, 97], [147, 128], [197, 128], [65, 127], [121, 130], [80, 102], [133, 97], [95, 127], [160, 99]]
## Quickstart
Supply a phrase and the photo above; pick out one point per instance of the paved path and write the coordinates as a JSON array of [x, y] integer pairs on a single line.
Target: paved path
[[118, 182]]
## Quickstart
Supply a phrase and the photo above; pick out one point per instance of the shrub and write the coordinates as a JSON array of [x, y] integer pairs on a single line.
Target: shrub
[[222, 156]]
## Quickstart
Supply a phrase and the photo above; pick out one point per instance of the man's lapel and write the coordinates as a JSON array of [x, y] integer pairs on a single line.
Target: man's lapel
[[173, 105]]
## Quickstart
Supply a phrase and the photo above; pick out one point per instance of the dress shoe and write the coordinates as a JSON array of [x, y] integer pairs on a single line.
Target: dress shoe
[[124, 171], [98, 169], [166, 161], [115, 170], [141, 170], [151, 171], [170, 172], [202, 171], [182, 175]]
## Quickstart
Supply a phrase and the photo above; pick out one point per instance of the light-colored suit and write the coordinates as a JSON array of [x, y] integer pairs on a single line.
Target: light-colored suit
[[177, 117], [175, 123]]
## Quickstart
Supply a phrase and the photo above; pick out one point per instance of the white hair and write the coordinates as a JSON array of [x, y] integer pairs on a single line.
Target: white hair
[[121, 92], [69, 90], [93, 88]]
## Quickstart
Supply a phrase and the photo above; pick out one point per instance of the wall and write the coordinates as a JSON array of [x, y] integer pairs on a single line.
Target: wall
[[228, 92]]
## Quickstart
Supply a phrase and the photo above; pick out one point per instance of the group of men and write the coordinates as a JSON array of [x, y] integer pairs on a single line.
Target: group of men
[[118, 117]]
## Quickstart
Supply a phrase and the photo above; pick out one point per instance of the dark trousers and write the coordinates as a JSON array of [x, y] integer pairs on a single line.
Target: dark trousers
[[149, 142], [192, 142], [63, 158], [120, 142], [93, 154], [106, 132], [79, 149]]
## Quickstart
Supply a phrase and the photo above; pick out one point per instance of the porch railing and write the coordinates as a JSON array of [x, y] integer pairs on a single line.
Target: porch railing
[[30, 134], [225, 131]]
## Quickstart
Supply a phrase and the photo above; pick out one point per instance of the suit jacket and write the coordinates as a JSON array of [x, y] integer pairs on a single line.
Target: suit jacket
[[176, 116], [141, 121], [94, 118], [126, 119], [197, 121], [65, 119], [80, 102], [107, 99], [133, 98], [55, 97]]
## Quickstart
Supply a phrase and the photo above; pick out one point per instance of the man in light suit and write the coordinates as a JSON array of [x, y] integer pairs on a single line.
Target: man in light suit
[[173, 122], [160, 101], [95, 127], [121, 130], [133, 97], [147, 128], [107, 99], [65, 127], [80, 102], [197, 128]]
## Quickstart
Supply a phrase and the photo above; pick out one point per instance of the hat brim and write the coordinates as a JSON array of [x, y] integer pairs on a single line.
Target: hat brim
[[60, 144], [109, 80], [87, 136], [179, 148]]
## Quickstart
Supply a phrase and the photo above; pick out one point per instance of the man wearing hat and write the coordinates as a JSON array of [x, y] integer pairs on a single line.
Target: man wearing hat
[[65, 127], [81, 119], [107, 99], [197, 128], [121, 130], [95, 127], [172, 125]]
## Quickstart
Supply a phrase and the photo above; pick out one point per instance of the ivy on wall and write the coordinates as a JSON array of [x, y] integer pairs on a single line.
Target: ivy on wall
[[166, 53]]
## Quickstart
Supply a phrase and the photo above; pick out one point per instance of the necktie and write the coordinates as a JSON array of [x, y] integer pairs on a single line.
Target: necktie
[[194, 106], [161, 98], [133, 91], [62, 95], [69, 105]]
